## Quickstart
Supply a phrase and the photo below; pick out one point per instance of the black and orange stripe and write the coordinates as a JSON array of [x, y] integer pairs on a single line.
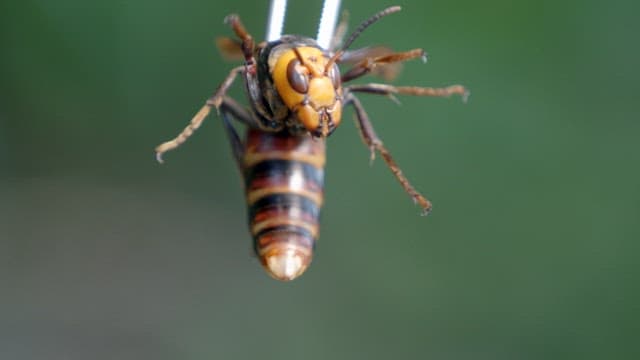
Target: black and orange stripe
[[284, 178]]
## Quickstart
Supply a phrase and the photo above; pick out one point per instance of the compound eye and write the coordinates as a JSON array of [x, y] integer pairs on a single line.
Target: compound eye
[[297, 79], [334, 75]]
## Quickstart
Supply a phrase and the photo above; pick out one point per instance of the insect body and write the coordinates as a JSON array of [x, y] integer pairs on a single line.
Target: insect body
[[284, 178], [297, 96]]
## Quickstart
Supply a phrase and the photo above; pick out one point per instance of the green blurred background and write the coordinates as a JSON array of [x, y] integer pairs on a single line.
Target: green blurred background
[[530, 253]]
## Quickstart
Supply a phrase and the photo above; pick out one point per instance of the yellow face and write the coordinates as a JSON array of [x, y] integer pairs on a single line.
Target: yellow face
[[309, 89]]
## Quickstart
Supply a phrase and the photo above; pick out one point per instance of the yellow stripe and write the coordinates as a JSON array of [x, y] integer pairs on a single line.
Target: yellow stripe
[[284, 220], [315, 160], [258, 194]]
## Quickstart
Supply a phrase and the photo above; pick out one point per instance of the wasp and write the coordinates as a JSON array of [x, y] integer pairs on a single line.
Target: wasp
[[297, 94]]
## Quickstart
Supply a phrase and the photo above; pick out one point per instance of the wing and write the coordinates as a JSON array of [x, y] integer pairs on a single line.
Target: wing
[[359, 57], [230, 49]]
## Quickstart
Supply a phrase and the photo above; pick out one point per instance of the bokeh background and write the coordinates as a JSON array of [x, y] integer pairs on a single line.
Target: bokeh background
[[531, 251]]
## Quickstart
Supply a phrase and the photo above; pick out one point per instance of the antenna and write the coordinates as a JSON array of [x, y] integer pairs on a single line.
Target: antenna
[[354, 35]]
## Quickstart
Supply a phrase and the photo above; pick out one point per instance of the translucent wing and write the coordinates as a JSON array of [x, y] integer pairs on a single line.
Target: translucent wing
[[230, 49], [357, 58]]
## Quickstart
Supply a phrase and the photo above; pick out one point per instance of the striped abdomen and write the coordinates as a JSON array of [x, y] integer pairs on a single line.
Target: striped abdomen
[[284, 177]]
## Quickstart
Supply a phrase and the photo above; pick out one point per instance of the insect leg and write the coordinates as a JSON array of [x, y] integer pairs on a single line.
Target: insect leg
[[390, 90], [230, 109], [371, 62], [247, 40], [374, 143], [196, 121]]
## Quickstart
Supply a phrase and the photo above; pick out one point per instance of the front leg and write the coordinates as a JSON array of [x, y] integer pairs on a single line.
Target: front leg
[[214, 101], [374, 143], [247, 44]]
